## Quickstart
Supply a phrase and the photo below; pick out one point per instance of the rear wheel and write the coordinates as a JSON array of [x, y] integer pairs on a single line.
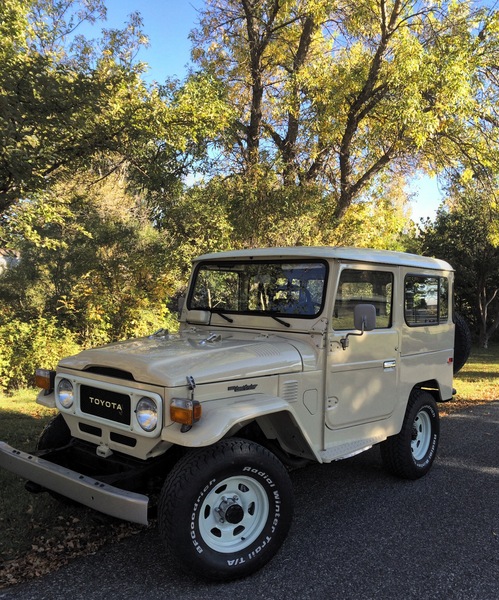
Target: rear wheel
[[410, 453], [225, 510]]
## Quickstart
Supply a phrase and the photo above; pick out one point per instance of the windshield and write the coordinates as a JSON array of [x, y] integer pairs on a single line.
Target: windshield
[[271, 287]]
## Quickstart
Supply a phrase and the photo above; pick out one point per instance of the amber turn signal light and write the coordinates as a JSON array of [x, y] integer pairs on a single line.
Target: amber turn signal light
[[45, 379], [184, 411]]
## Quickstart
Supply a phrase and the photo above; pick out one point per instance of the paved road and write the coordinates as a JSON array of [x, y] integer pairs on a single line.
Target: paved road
[[358, 534]]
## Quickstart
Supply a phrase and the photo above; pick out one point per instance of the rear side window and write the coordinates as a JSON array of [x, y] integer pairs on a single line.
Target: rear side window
[[363, 287], [426, 300]]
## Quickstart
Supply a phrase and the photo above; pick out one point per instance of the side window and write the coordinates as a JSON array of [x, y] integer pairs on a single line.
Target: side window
[[426, 300], [363, 287]]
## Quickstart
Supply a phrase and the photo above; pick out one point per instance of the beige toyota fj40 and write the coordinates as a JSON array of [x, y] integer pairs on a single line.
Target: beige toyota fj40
[[284, 356]]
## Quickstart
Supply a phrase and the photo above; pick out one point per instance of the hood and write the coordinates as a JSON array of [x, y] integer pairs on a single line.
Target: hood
[[167, 360]]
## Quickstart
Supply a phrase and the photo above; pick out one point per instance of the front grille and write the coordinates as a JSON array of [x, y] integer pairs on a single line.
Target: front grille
[[123, 439], [105, 404], [85, 428]]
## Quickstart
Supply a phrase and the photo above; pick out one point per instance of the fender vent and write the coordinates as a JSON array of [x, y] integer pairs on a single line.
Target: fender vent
[[290, 391]]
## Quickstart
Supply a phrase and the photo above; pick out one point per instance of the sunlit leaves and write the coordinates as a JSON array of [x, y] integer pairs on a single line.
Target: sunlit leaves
[[67, 104], [334, 92]]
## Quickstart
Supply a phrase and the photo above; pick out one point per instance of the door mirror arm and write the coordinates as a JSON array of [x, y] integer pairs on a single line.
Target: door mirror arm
[[364, 319]]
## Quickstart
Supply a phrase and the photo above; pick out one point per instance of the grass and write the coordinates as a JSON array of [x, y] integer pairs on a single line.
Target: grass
[[38, 534], [478, 381], [21, 421]]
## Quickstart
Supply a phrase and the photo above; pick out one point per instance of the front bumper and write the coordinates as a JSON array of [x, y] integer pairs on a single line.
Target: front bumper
[[95, 494]]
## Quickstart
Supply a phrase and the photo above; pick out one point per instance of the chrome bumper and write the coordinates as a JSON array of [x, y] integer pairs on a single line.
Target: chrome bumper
[[104, 498]]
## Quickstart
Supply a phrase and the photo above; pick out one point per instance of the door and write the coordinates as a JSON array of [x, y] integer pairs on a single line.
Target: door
[[363, 376]]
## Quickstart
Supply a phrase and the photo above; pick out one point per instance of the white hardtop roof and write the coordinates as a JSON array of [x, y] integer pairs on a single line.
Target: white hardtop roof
[[366, 255]]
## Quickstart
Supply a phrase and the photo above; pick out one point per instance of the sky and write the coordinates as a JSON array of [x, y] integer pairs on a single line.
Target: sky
[[167, 24]]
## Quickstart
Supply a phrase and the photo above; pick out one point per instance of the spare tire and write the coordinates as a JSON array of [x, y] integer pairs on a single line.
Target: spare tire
[[462, 342]]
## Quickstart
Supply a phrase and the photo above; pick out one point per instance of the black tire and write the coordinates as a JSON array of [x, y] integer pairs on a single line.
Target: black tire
[[462, 342], [410, 453], [54, 435], [225, 510]]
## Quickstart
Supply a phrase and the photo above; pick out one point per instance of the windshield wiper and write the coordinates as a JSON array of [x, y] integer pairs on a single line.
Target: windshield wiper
[[279, 320], [232, 320], [223, 316]]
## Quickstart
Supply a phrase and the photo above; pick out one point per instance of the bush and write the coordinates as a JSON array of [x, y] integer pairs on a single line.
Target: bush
[[25, 347]]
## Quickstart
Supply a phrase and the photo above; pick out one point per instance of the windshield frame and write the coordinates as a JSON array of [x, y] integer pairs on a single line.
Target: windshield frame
[[299, 289]]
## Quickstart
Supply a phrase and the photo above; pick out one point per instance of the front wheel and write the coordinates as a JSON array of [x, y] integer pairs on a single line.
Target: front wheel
[[225, 510], [56, 434], [410, 453]]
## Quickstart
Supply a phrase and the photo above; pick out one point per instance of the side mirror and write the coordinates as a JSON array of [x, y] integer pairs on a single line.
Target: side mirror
[[180, 303], [364, 319]]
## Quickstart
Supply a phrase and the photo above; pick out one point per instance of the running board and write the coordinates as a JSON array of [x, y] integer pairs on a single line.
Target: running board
[[349, 449]]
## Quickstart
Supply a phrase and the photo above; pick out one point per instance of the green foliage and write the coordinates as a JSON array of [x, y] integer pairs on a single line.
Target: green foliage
[[92, 164], [335, 93], [242, 211], [25, 346], [98, 267], [306, 119], [465, 233], [195, 223], [67, 105]]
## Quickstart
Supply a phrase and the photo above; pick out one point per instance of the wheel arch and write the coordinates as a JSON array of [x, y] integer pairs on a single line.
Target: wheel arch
[[280, 434], [433, 387], [226, 418]]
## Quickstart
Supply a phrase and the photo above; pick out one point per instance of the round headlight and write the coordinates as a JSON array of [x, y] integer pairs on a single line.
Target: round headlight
[[147, 414], [65, 393]]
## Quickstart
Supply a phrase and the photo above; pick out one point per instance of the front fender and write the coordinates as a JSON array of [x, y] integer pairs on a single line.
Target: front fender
[[220, 416]]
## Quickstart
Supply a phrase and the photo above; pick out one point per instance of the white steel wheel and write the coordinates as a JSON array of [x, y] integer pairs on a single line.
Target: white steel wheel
[[411, 452], [225, 510], [421, 435], [233, 514]]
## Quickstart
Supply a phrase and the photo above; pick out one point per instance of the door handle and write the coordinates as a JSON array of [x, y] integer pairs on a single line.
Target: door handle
[[389, 364]]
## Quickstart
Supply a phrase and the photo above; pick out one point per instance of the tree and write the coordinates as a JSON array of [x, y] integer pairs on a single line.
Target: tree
[[68, 103], [260, 211], [466, 233], [100, 270], [335, 93], [91, 163]]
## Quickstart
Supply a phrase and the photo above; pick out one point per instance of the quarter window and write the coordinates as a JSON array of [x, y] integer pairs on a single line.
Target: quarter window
[[426, 300], [363, 287]]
